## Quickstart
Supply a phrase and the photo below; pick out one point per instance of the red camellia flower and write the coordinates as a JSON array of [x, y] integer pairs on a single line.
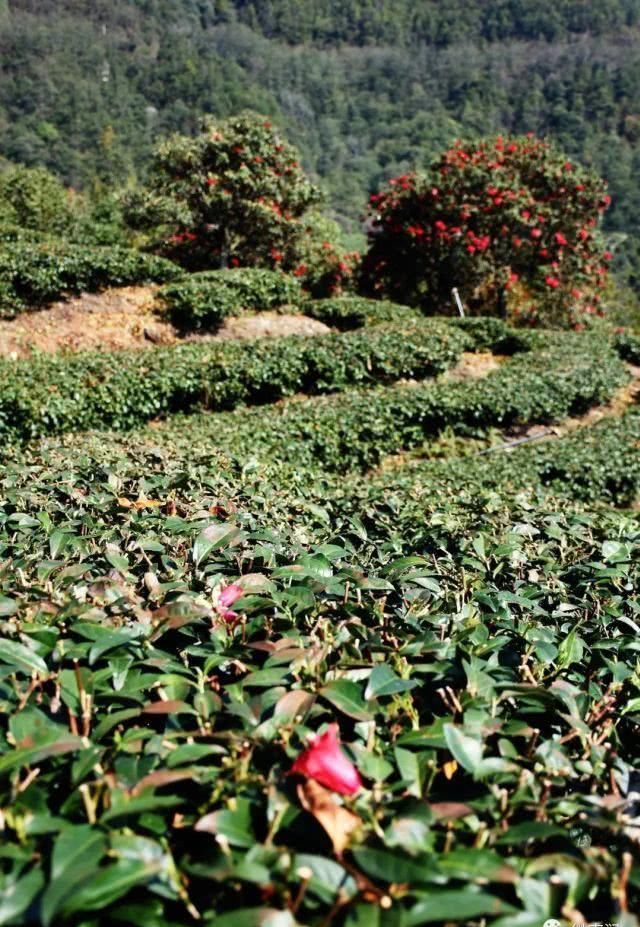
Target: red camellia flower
[[536, 233], [553, 282], [325, 762], [560, 239]]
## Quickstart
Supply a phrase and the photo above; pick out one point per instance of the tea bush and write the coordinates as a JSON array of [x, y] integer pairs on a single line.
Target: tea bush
[[476, 652], [348, 312], [32, 275], [355, 430], [596, 462], [48, 395], [206, 299], [628, 346]]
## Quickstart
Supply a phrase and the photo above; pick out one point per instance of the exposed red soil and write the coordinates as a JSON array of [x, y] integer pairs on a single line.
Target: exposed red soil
[[124, 318]]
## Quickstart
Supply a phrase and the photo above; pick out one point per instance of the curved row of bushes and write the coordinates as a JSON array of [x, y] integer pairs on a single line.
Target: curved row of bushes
[[357, 429], [595, 462], [32, 275], [349, 312], [204, 300], [50, 395]]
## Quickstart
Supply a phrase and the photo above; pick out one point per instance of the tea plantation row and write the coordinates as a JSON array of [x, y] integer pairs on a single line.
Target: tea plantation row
[[32, 275], [356, 429], [598, 462], [120, 390], [50, 395]]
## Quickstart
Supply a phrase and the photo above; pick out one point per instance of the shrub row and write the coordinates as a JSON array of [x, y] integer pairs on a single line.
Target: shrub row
[[32, 275], [595, 462], [48, 395], [349, 312], [628, 347], [204, 300], [356, 430]]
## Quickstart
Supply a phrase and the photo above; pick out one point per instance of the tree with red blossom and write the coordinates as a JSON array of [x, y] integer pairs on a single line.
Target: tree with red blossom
[[511, 222], [234, 195]]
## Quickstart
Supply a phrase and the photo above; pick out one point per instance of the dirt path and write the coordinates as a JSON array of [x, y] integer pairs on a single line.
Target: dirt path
[[124, 318]]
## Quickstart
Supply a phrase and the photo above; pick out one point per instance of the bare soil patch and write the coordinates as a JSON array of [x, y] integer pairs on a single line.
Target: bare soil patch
[[124, 319], [472, 366]]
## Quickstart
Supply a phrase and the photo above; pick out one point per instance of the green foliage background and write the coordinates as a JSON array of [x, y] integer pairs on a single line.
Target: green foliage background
[[87, 87]]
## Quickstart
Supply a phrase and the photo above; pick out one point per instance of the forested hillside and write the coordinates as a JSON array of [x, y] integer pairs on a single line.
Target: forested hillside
[[365, 89]]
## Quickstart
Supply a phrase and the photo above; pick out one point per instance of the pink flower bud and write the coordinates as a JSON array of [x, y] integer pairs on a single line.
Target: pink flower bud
[[230, 594], [325, 762]]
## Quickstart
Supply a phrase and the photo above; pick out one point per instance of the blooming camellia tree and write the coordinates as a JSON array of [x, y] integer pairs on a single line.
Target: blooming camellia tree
[[236, 196], [509, 221], [233, 195]]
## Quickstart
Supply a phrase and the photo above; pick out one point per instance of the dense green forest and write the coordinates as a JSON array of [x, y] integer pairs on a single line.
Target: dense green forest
[[365, 89]]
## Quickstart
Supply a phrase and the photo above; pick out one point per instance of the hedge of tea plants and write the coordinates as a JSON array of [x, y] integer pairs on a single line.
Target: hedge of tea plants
[[349, 312], [356, 429], [52, 394], [204, 300], [594, 462], [32, 274]]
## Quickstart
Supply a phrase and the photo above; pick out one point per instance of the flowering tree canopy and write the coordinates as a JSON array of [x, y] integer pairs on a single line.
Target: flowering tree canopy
[[233, 195], [509, 221]]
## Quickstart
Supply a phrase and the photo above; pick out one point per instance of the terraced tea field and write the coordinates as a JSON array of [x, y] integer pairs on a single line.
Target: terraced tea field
[[210, 553]]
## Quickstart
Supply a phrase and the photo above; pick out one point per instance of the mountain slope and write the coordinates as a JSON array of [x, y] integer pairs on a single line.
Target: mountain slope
[[364, 88]]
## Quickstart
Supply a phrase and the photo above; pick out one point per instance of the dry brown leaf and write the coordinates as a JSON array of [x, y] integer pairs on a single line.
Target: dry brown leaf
[[168, 707], [138, 504], [449, 769], [161, 777], [339, 822]]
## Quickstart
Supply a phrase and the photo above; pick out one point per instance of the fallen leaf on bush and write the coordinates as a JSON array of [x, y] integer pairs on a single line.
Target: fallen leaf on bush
[[168, 707], [161, 777], [138, 504], [339, 822], [449, 769], [450, 810]]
